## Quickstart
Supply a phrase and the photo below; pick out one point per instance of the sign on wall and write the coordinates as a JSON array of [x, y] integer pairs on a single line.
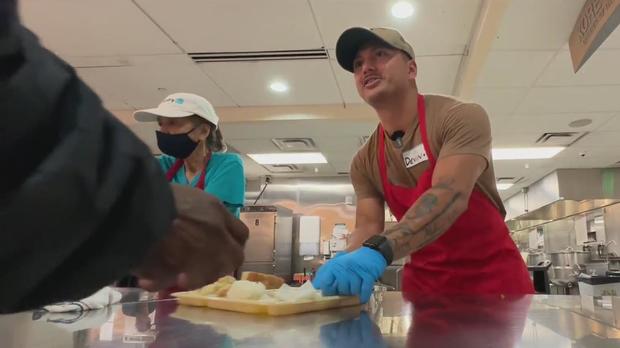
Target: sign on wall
[[598, 19]]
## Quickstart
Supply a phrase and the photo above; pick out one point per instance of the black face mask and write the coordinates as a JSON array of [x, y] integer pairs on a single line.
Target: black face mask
[[176, 145]]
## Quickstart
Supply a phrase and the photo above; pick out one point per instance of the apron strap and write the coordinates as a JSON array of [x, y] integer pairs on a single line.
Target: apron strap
[[201, 180], [179, 163], [425, 142], [174, 169], [381, 159], [423, 129]]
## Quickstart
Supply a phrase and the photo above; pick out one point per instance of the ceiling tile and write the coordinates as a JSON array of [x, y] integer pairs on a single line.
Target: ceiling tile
[[310, 81], [608, 140], [499, 102], [550, 122], [598, 70], [527, 24], [571, 99], [513, 68], [437, 74], [246, 146], [339, 146], [613, 125], [527, 169], [94, 28], [452, 22], [297, 128], [236, 25], [507, 138], [612, 41], [148, 79]]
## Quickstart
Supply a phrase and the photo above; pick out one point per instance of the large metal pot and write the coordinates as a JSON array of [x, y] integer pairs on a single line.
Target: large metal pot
[[569, 258], [564, 274], [614, 264], [534, 258]]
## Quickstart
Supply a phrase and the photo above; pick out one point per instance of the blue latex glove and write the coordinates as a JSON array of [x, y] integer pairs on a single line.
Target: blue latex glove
[[353, 273]]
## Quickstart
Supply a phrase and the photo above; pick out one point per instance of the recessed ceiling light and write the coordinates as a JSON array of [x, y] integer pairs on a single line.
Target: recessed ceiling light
[[501, 186], [402, 9], [288, 158], [580, 123], [278, 86], [520, 153]]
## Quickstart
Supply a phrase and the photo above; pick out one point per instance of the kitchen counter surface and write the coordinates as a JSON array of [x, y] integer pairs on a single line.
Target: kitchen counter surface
[[387, 321]]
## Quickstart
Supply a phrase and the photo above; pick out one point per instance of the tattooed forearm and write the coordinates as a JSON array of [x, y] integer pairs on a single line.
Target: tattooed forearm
[[431, 215]]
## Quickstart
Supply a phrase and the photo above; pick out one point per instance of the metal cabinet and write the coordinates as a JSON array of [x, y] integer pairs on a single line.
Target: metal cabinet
[[269, 246]]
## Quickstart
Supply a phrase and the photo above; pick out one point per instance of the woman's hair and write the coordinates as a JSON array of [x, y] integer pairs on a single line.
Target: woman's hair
[[215, 140]]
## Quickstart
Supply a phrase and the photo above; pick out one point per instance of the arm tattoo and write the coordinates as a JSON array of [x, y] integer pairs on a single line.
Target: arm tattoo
[[431, 215]]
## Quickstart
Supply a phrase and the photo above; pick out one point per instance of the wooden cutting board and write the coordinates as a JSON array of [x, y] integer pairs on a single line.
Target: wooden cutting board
[[192, 298]]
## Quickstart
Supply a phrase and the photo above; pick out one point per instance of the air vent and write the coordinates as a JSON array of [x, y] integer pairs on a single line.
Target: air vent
[[254, 56], [294, 144], [283, 168], [510, 179], [560, 138], [343, 173]]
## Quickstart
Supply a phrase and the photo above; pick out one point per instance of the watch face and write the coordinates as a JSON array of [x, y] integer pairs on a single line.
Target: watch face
[[380, 244], [375, 240]]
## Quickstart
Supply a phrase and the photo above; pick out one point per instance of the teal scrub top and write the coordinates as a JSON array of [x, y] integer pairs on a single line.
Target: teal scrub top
[[225, 178]]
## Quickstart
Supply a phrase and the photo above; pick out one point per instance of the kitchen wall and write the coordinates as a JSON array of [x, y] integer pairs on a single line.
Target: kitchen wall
[[331, 198], [611, 216], [560, 235], [573, 231]]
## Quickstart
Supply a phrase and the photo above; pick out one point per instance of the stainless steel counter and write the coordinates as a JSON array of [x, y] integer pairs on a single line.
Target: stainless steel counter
[[390, 321]]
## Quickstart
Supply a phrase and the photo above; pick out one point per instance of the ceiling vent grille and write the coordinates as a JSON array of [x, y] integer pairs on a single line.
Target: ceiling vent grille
[[560, 138], [510, 179], [294, 144], [283, 168], [254, 56]]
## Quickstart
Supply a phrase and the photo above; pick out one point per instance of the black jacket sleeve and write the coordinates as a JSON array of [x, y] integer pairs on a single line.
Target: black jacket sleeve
[[81, 198]]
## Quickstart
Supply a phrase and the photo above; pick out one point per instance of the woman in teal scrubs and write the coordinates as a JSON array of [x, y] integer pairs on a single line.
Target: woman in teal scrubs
[[194, 152]]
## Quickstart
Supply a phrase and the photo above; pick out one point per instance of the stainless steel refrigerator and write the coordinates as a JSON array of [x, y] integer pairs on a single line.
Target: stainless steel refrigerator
[[269, 247]]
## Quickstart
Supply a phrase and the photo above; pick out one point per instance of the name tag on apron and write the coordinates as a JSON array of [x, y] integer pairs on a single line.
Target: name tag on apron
[[415, 156]]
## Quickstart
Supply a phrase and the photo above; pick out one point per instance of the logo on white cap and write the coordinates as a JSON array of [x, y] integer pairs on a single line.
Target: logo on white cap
[[180, 105]]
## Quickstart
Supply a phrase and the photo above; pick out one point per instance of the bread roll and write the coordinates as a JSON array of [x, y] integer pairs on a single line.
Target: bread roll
[[270, 281]]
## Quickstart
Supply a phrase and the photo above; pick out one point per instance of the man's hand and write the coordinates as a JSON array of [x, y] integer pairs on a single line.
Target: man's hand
[[205, 242], [351, 273]]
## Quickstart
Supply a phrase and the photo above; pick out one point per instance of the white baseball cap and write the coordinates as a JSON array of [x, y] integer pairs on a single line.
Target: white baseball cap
[[179, 105]]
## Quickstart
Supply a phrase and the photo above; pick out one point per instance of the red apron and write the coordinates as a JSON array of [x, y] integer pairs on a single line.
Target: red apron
[[476, 255], [179, 163]]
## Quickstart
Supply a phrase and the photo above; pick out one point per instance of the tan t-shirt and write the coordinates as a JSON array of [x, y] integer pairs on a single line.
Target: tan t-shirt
[[453, 127]]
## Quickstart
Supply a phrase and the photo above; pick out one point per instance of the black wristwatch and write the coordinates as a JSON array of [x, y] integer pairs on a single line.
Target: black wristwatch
[[382, 245]]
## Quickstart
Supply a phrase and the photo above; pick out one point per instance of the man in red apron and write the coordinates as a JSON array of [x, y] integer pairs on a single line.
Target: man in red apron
[[430, 161]]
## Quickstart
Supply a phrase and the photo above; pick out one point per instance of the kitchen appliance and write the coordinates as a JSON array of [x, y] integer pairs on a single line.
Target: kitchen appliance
[[603, 285], [567, 265], [540, 276], [535, 257], [270, 244], [569, 258]]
